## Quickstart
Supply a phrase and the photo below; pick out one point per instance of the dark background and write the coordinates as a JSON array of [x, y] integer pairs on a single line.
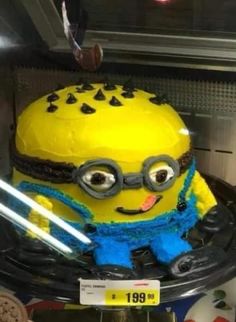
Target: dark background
[[190, 16]]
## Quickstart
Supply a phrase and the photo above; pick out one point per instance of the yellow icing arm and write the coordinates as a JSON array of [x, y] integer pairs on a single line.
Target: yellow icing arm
[[205, 198], [38, 219]]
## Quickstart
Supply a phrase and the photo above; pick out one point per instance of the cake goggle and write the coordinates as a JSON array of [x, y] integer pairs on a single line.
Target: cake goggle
[[103, 178]]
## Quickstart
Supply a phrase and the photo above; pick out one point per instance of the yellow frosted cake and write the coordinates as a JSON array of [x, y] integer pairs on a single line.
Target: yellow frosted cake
[[117, 160]]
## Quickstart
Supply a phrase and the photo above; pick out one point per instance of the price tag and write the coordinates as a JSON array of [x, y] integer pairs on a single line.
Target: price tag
[[120, 293]]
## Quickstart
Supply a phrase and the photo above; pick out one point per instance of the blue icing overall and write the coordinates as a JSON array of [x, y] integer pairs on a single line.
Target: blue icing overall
[[115, 241]]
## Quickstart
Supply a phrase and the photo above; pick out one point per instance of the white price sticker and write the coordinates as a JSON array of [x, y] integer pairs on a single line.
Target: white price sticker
[[128, 293]]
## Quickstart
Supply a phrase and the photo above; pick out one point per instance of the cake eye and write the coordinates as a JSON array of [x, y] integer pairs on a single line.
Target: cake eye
[[161, 174], [99, 180]]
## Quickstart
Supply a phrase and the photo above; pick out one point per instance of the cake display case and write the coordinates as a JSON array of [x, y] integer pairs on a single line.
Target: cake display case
[[66, 154]]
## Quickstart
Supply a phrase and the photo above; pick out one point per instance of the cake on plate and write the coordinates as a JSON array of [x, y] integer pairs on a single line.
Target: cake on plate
[[115, 162]]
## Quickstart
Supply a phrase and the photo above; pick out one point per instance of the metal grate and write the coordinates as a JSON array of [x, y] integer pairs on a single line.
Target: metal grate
[[207, 107]]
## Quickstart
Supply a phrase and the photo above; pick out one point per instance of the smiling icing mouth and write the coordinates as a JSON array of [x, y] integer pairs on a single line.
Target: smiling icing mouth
[[148, 204]]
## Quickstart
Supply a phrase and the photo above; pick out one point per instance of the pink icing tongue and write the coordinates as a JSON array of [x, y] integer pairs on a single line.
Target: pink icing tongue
[[149, 202]]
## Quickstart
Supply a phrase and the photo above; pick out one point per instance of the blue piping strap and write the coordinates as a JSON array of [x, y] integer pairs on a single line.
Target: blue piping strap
[[50, 192]]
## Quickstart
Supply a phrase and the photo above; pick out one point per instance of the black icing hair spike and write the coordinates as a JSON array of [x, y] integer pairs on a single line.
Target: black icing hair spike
[[80, 82], [52, 97], [52, 108], [115, 102], [99, 96], [108, 85], [79, 90], [88, 87], [129, 86], [165, 99], [159, 99], [71, 99], [86, 109], [128, 94]]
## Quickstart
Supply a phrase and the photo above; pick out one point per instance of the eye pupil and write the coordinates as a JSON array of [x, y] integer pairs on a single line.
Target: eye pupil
[[98, 178], [161, 176]]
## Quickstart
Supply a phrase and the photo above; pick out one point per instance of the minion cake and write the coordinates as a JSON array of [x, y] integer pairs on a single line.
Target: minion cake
[[114, 162]]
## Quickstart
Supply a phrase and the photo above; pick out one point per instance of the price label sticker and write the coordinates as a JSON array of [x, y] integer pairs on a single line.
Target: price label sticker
[[120, 293], [132, 297]]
